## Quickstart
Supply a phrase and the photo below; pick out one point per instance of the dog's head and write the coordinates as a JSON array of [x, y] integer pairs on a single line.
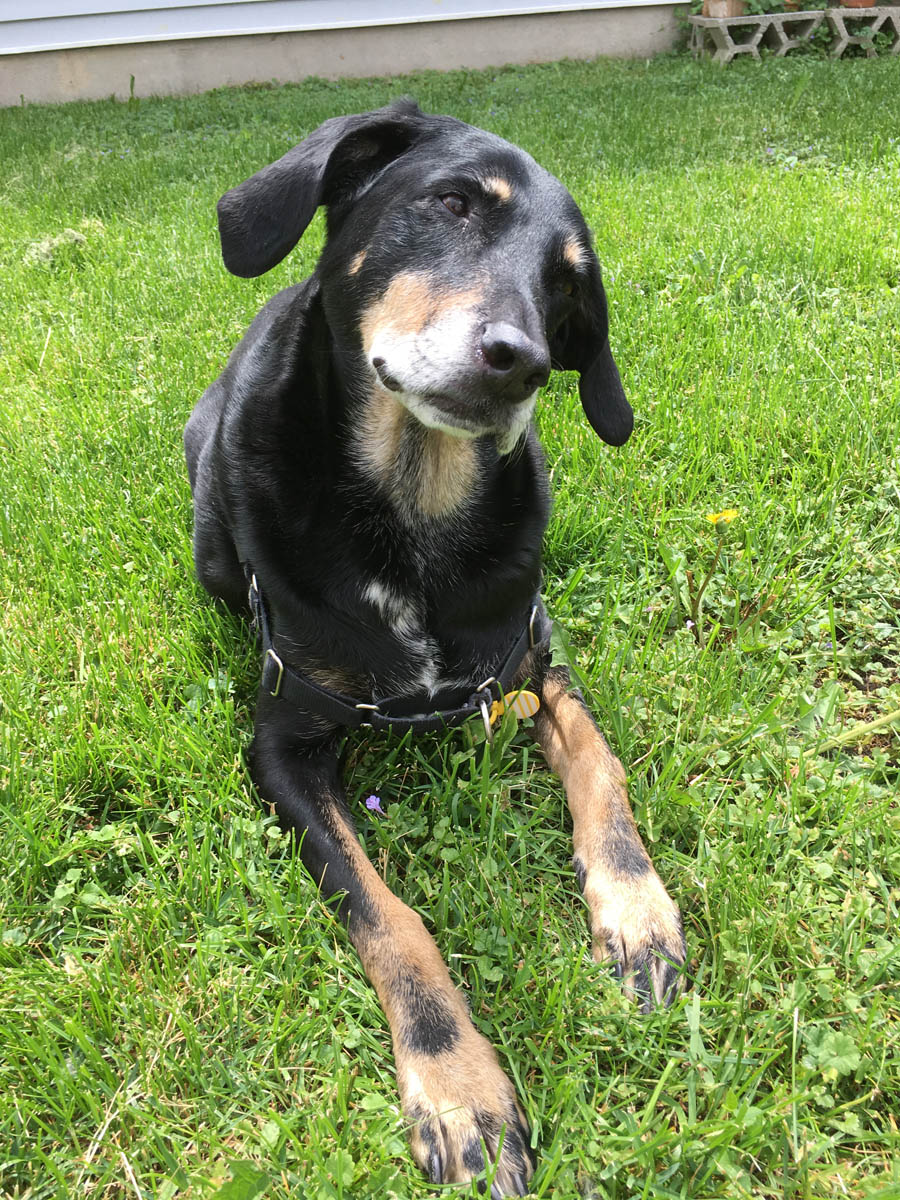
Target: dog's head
[[457, 271]]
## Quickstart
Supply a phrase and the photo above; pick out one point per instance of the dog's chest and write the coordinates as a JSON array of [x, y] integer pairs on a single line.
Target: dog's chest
[[444, 596], [404, 615]]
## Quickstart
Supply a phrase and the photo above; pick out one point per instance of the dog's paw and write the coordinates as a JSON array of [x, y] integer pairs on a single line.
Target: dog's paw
[[461, 1104], [636, 925]]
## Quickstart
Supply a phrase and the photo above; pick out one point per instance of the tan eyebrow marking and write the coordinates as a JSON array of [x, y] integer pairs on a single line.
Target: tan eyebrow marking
[[501, 188], [573, 253], [357, 261]]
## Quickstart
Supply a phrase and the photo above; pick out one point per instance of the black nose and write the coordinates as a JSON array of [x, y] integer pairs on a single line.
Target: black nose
[[518, 365]]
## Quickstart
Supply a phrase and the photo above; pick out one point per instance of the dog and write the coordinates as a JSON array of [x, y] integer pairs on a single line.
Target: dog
[[367, 483]]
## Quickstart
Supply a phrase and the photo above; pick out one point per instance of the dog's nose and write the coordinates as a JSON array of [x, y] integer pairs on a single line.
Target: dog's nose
[[518, 364]]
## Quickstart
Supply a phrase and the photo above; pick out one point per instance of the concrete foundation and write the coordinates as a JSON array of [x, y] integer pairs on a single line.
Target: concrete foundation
[[198, 64]]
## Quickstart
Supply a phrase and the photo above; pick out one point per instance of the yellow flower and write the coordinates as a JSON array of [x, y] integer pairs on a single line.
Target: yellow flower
[[725, 517]]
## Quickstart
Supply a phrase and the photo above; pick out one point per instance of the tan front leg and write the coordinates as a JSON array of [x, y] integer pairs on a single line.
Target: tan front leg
[[462, 1109], [633, 920], [453, 1089]]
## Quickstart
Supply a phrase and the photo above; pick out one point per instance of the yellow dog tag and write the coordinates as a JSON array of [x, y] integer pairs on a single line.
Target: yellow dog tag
[[523, 704]]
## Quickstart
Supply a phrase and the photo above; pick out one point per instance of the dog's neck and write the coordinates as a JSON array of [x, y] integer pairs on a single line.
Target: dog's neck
[[426, 473]]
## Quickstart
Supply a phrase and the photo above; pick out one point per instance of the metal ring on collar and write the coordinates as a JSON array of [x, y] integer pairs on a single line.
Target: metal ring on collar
[[531, 621], [270, 653]]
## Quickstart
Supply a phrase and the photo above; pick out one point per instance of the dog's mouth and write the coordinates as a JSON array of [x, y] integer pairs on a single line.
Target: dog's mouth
[[435, 409], [385, 376], [465, 408], [454, 415]]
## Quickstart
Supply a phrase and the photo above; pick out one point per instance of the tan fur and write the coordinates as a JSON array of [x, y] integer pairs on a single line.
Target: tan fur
[[447, 472], [631, 912], [453, 1087], [498, 187], [433, 481], [591, 774], [456, 1092], [335, 680], [573, 253], [356, 262], [381, 428], [399, 935], [407, 305], [628, 915], [410, 303]]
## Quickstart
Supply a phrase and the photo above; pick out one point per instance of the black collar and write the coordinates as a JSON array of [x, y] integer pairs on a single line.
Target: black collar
[[421, 713]]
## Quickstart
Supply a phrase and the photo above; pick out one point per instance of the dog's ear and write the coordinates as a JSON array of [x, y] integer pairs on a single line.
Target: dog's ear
[[582, 344], [262, 219]]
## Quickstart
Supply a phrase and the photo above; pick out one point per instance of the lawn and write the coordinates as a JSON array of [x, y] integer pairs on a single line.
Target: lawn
[[177, 1007]]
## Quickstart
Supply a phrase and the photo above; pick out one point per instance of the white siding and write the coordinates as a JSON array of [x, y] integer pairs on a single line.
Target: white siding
[[66, 24]]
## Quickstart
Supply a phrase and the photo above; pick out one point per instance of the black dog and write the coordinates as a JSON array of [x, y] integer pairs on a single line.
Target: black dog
[[366, 465]]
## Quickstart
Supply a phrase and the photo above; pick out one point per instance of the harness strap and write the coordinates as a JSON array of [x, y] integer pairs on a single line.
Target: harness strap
[[419, 713]]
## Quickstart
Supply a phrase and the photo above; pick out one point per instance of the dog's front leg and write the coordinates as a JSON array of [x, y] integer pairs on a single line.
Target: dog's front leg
[[454, 1092], [633, 921]]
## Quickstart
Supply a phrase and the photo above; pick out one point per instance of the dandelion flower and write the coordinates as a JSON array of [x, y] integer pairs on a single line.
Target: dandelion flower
[[725, 517]]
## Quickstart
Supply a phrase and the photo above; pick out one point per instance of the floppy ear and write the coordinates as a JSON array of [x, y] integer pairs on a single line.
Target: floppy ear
[[262, 219], [582, 344]]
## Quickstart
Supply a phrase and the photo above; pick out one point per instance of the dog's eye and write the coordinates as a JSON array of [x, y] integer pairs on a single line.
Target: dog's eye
[[457, 204], [568, 288]]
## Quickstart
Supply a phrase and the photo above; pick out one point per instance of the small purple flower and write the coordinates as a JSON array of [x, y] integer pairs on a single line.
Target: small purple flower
[[373, 804]]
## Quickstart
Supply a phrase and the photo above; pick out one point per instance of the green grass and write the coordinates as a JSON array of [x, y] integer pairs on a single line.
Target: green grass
[[175, 1001]]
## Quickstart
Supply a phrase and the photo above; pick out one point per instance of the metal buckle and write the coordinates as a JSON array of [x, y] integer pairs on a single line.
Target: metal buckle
[[531, 621], [368, 708], [270, 653]]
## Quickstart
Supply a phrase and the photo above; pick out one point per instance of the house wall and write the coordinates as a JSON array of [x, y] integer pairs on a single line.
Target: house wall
[[184, 65]]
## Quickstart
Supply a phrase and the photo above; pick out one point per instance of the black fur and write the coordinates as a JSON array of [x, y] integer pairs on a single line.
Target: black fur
[[272, 471], [431, 1027], [285, 477], [623, 849]]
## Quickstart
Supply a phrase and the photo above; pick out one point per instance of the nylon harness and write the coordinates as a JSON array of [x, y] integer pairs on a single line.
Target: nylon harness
[[419, 712]]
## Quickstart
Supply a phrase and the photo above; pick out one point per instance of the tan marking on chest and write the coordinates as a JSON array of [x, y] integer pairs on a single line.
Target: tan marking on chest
[[425, 471], [380, 434], [336, 680], [447, 473]]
